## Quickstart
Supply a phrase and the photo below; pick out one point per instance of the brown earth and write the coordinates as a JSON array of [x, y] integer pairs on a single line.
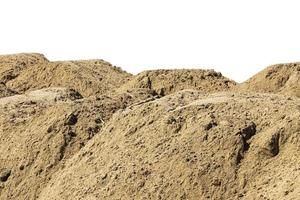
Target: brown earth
[[190, 146], [12, 65], [282, 78], [27, 72], [165, 82], [88, 130], [5, 92], [43, 128]]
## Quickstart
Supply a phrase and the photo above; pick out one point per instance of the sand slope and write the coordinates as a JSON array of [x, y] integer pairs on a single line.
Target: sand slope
[[281, 78], [190, 146], [88, 130]]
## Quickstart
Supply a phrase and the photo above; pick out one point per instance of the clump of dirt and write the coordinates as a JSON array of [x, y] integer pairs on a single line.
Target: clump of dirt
[[4, 91], [165, 82], [189, 146], [281, 78]]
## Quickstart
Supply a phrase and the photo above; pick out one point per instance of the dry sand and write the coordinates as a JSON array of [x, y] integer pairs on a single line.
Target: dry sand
[[281, 78], [88, 130]]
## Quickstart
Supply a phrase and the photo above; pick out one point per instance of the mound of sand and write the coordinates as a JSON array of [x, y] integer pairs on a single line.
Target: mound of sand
[[43, 128], [27, 72], [12, 65], [88, 130], [165, 82], [91, 77], [190, 146], [281, 78]]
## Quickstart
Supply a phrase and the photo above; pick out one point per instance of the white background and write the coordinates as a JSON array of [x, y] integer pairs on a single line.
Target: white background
[[236, 37]]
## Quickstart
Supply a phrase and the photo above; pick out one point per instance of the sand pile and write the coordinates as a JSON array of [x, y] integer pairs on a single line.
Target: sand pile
[[281, 78], [165, 82], [87, 77], [23, 72], [12, 65], [190, 146], [43, 128], [88, 130]]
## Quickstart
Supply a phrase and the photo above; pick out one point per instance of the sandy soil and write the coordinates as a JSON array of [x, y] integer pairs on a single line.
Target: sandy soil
[[88, 130]]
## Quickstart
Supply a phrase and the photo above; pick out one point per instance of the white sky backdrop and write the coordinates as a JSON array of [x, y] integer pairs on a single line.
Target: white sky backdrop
[[236, 37]]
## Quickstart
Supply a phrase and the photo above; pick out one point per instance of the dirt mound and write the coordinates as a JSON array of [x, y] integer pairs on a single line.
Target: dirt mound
[[42, 129], [12, 65], [281, 78], [28, 72], [190, 146], [88, 130], [91, 77], [166, 82], [32, 146]]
